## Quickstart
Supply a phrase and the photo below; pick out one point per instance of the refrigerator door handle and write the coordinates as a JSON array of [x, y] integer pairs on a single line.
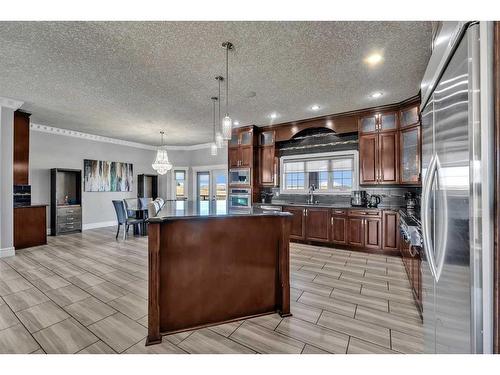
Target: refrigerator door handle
[[427, 186], [443, 227]]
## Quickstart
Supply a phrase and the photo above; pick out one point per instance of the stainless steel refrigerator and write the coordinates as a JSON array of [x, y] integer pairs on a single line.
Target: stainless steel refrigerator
[[455, 191]]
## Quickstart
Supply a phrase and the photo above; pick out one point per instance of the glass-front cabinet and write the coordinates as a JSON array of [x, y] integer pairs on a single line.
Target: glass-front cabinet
[[410, 155], [388, 121], [378, 122], [409, 116], [246, 138], [368, 124]]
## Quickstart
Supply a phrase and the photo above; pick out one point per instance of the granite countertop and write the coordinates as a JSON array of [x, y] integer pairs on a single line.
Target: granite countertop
[[333, 205], [199, 209]]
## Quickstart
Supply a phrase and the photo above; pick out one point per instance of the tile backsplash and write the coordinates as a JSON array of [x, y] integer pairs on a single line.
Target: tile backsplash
[[391, 196]]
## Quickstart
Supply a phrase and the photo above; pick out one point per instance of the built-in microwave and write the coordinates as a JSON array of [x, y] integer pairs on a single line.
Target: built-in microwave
[[240, 198], [240, 176]]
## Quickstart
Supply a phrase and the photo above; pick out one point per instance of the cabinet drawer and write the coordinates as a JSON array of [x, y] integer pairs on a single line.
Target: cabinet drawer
[[68, 227], [339, 212], [72, 211], [364, 213], [70, 218]]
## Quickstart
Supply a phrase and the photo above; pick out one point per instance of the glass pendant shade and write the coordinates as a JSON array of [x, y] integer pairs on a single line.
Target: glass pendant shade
[[213, 149], [219, 140], [161, 164], [227, 127]]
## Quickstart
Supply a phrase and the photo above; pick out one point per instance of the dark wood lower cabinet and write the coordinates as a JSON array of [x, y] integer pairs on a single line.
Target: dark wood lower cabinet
[[373, 233], [364, 229], [412, 262], [355, 232], [297, 229], [30, 226], [318, 224], [339, 230], [390, 225]]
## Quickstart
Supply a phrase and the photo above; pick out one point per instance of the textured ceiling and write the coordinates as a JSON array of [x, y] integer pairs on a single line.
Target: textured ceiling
[[128, 80]]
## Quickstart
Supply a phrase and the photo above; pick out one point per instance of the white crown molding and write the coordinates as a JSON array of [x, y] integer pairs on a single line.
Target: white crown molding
[[10, 103], [99, 138]]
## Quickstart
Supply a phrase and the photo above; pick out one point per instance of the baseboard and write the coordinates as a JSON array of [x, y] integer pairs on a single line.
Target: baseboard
[[7, 252], [101, 224]]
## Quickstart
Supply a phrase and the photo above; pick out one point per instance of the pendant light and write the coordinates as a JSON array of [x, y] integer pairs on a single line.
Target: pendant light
[[227, 123], [213, 146], [161, 163], [219, 139]]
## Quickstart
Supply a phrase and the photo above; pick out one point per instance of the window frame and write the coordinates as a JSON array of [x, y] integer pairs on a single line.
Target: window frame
[[354, 154], [186, 182]]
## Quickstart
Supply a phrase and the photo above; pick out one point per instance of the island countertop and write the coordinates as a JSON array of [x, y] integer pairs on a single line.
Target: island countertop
[[173, 210]]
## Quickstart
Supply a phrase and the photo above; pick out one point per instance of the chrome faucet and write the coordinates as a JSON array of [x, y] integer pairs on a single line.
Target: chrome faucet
[[310, 198]]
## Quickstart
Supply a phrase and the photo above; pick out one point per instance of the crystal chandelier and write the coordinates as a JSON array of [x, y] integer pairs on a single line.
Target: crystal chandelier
[[161, 163], [213, 146], [227, 123]]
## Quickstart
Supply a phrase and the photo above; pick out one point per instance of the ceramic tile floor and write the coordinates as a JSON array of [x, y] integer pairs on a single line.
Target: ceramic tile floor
[[87, 293]]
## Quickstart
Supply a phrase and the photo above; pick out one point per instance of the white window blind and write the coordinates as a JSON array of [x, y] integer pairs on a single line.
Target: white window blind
[[332, 173]]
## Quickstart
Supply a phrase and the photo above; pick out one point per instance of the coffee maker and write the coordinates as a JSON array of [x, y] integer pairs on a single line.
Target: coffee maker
[[358, 198]]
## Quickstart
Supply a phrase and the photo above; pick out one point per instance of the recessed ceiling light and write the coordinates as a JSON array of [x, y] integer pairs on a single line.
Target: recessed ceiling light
[[273, 115], [376, 95], [315, 107], [374, 59], [236, 123]]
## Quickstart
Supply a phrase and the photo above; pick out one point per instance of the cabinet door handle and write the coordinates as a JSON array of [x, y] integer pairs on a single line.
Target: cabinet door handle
[[304, 212], [331, 220]]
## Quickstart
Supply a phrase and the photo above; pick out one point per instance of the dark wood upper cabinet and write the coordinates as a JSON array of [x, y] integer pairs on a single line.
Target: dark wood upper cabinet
[[266, 138], [368, 159], [409, 116], [241, 147], [318, 224], [355, 233], [297, 229], [388, 121], [373, 233], [246, 138], [390, 227], [233, 157], [388, 156], [267, 165], [410, 155], [368, 124], [21, 148], [246, 156], [339, 229]]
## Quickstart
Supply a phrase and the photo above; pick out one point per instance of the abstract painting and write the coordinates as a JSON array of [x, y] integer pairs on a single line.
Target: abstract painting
[[102, 175]]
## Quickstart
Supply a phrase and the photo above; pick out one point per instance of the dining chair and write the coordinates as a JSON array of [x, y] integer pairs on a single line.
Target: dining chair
[[131, 205], [123, 219]]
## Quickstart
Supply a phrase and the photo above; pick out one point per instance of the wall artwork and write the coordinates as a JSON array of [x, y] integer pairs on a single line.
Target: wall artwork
[[102, 175]]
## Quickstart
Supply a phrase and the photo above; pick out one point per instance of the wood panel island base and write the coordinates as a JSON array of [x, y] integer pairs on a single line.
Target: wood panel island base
[[210, 265]]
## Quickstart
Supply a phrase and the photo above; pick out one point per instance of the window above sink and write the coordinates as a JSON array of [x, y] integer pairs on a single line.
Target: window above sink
[[330, 173]]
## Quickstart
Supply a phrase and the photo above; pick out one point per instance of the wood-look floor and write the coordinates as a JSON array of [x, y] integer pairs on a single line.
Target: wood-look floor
[[87, 293]]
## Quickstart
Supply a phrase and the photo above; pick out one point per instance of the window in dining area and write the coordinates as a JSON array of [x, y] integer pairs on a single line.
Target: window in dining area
[[180, 183]]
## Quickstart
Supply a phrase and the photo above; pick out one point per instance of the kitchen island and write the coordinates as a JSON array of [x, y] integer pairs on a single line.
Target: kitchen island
[[210, 265]]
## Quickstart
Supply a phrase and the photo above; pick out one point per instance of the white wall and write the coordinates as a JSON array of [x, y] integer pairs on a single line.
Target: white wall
[[49, 150], [6, 181]]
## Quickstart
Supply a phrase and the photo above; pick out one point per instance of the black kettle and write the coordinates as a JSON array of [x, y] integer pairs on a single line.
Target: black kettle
[[374, 201]]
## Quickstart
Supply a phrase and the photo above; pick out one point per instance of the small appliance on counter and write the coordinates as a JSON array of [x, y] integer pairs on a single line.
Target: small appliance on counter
[[374, 201], [411, 200], [266, 197], [22, 195], [359, 198]]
